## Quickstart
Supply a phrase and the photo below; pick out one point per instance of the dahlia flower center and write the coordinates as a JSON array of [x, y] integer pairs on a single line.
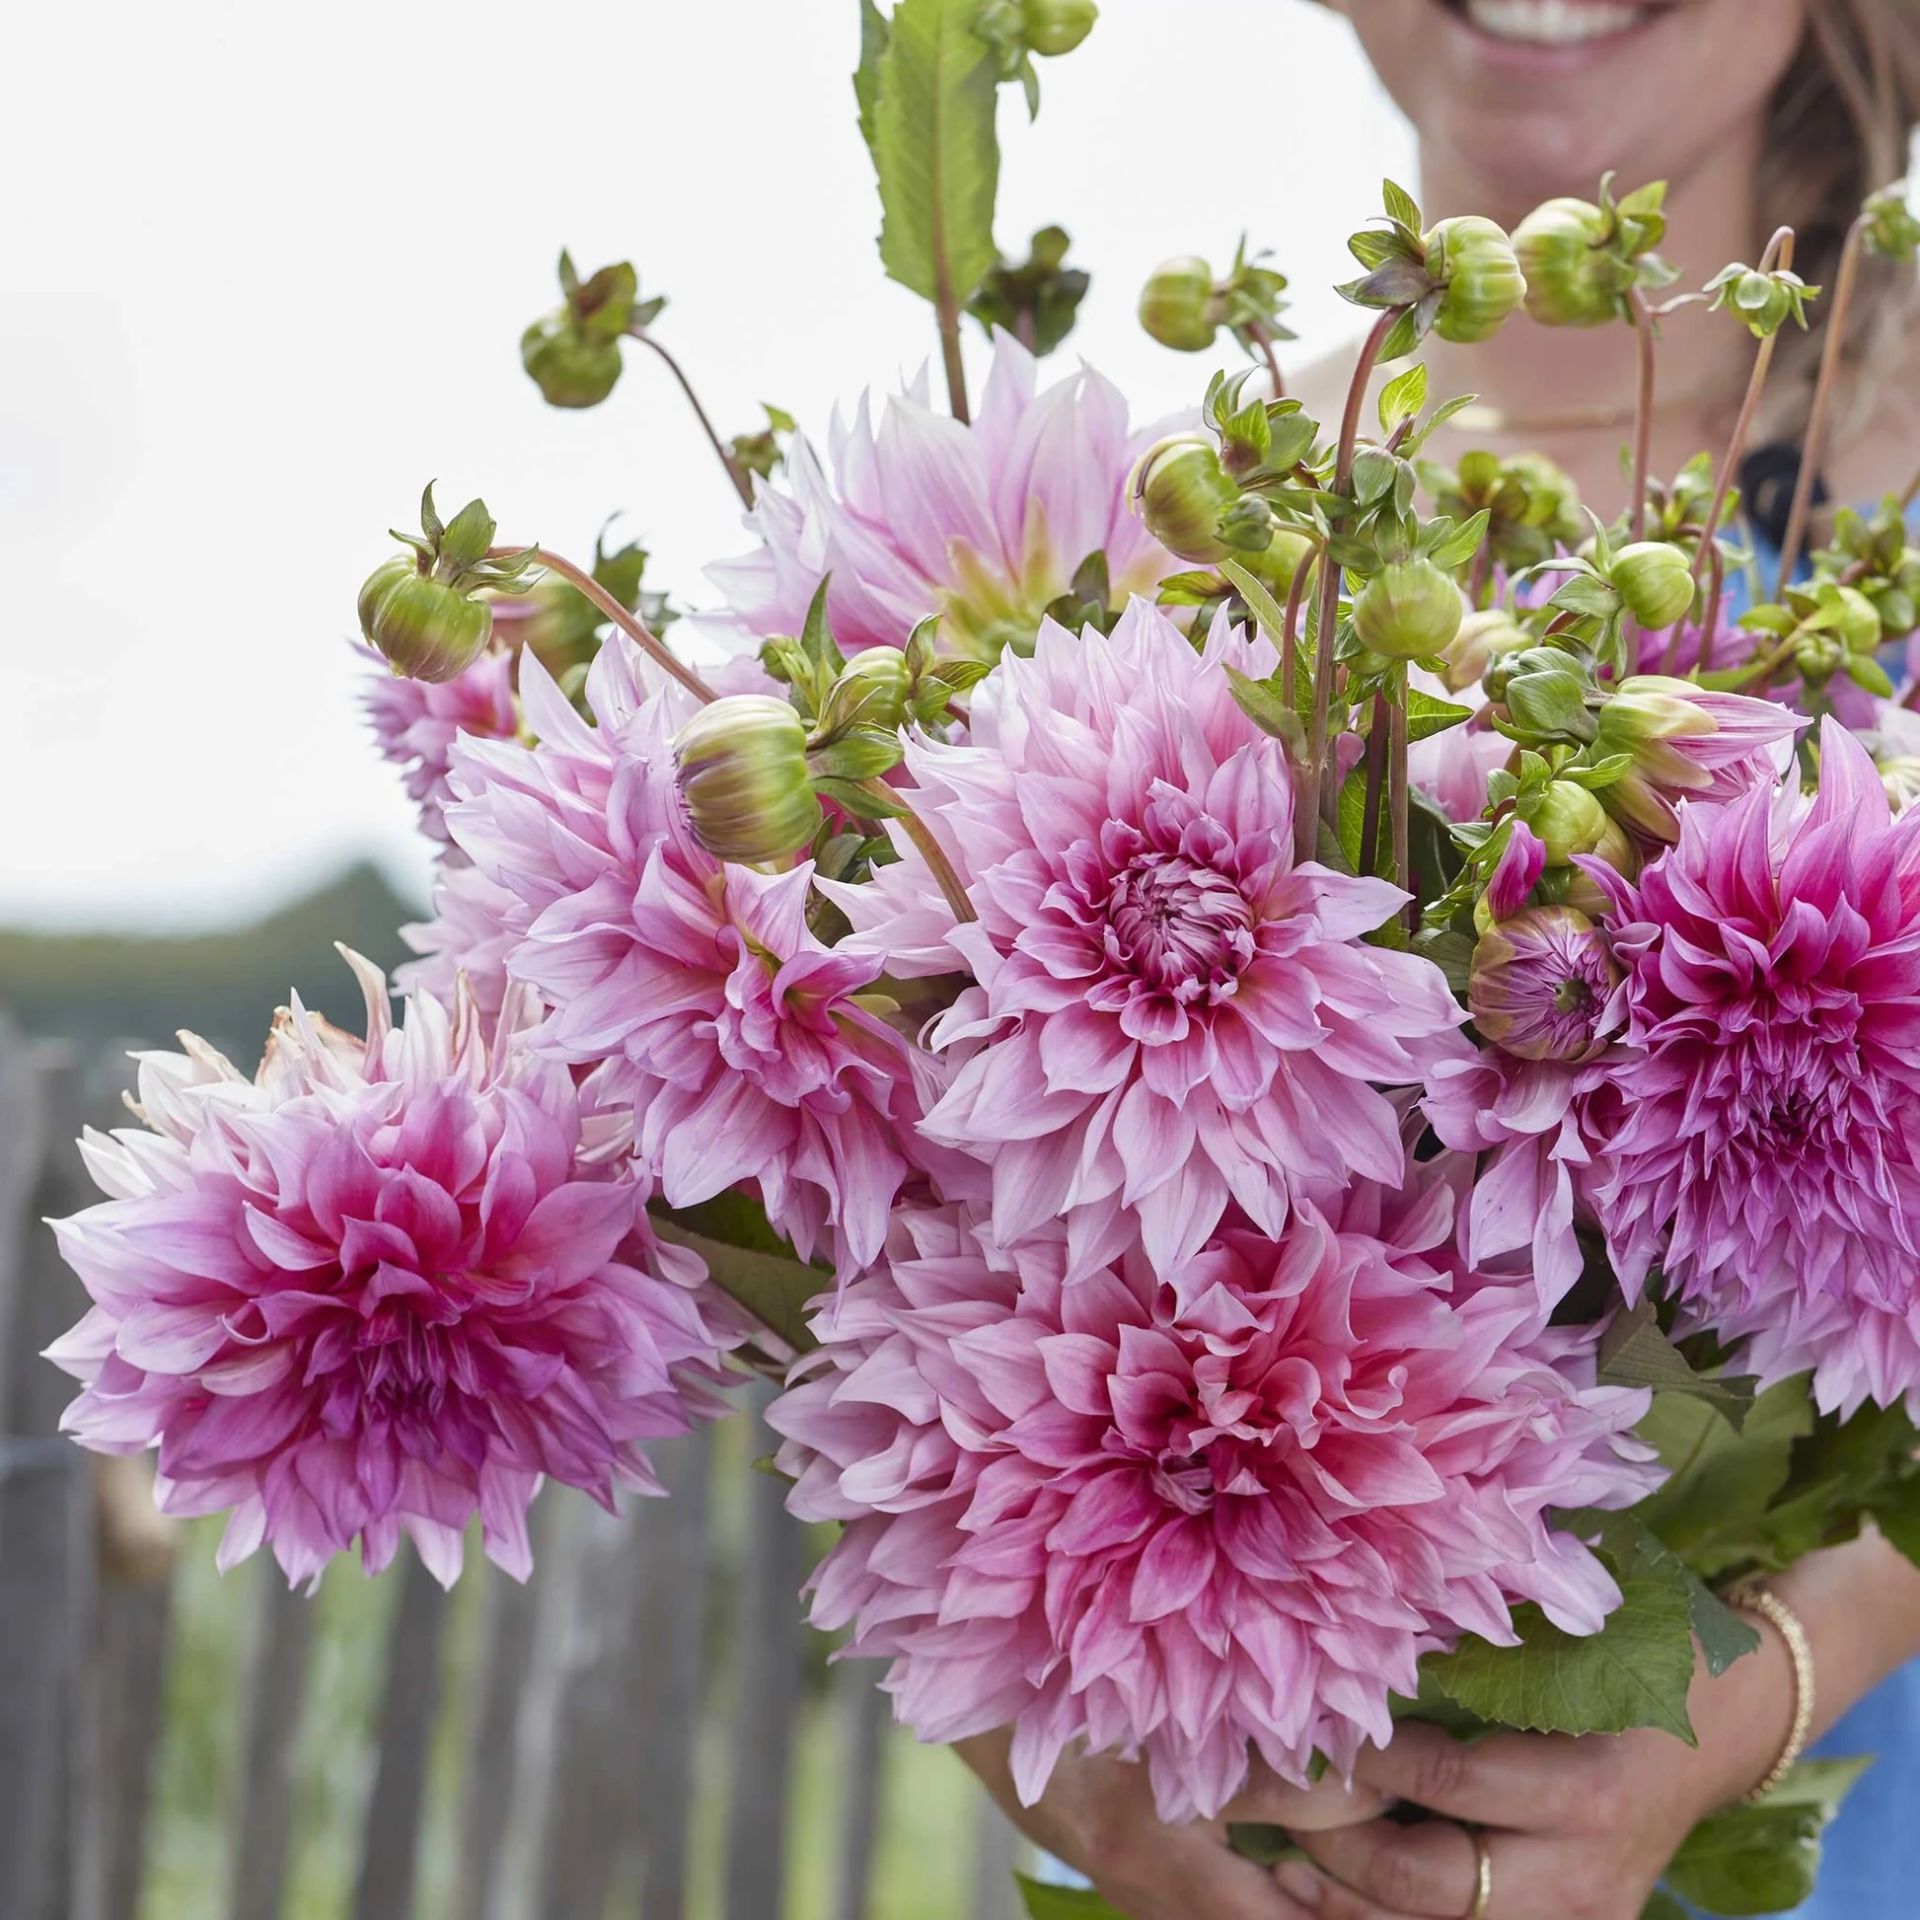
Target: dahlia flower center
[[1574, 995], [1178, 926]]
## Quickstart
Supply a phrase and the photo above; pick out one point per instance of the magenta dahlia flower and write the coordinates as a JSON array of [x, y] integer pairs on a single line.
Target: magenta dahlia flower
[[746, 1049], [1185, 1521], [415, 723], [1169, 1012], [1766, 1144], [983, 524], [474, 927], [369, 1292]]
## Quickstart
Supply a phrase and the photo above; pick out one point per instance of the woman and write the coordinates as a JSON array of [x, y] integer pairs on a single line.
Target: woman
[[1759, 113]]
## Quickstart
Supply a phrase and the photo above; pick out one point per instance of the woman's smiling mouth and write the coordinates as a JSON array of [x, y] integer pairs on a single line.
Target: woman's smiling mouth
[[1555, 23]]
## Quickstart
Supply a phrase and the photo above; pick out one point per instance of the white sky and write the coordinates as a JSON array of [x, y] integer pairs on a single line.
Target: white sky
[[265, 269]]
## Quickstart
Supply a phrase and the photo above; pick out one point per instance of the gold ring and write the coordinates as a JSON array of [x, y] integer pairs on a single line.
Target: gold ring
[[1482, 1875]]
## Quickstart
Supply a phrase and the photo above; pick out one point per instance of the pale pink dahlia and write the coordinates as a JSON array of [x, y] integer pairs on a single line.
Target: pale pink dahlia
[[1766, 1148], [1182, 1520], [369, 1292], [746, 1049], [983, 524], [415, 723], [473, 928], [1169, 1013]]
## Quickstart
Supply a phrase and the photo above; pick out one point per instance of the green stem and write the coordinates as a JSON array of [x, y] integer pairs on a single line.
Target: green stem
[[1397, 796], [1830, 353], [1779, 254], [624, 618], [1264, 341], [741, 484], [1290, 626], [929, 849], [946, 309], [1313, 775], [1377, 729], [1643, 410]]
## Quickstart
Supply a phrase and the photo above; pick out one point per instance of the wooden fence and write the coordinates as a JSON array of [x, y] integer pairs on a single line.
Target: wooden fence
[[580, 1711]]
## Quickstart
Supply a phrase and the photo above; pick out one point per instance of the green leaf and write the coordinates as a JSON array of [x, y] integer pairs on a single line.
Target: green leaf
[[935, 149], [748, 1261], [1264, 1845], [1663, 1906], [1427, 715], [1403, 396], [1401, 207], [1266, 609], [866, 76], [1635, 1672], [1458, 547], [1062, 1903], [1261, 702], [1635, 1353], [1763, 1858]]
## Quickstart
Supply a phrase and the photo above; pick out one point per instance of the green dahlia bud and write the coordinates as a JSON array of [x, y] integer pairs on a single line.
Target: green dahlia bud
[[1247, 525], [1408, 611], [1054, 27], [1183, 494], [742, 763], [426, 629], [569, 370], [1569, 820], [1483, 638], [1859, 625], [1278, 562], [1180, 306], [1572, 279], [1474, 261], [1892, 231], [871, 691], [1655, 580]]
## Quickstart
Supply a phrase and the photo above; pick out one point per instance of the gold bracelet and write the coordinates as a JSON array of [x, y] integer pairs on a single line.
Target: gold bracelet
[[1785, 1622]]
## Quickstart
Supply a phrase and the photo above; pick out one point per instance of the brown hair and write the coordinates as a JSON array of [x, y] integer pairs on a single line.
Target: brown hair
[[1839, 127]]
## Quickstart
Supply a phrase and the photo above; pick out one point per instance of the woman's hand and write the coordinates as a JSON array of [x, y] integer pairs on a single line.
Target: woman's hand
[[1575, 1829], [1097, 1815]]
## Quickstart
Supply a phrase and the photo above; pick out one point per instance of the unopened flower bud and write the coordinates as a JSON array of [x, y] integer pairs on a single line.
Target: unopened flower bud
[[1278, 562], [426, 629], [1655, 580], [742, 764], [1054, 27], [1247, 525], [570, 369], [1817, 658], [1180, 306], [1859, 627], [1482, 639], [1569, 821], [870, 692], [1183, 493], [1572, 279], [1539, 985], [1410, 610], [1474, 262]]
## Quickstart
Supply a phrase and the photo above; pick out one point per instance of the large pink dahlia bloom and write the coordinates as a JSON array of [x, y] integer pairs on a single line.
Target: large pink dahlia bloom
[[745, 1048], [1184, 1520], [983, 524], [415, 723], [1170, 1013], [1767, 1144], [369, 1292]]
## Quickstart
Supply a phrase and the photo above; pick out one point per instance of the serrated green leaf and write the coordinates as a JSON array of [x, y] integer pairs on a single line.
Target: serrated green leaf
[[1635, 1353], [1635, 1672], [1460, 546], [866, 76], [1428, 715], [935, 149], [748, 1261], [1262, 703], [1062, 1903], [1765, 1857], [1663, 1906], [1266, 609]]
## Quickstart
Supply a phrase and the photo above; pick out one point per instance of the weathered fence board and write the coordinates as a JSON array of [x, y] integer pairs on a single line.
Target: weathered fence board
[[130, 1646], [276, 1694], [866, 1713], [390, 1835], [767, 1660]]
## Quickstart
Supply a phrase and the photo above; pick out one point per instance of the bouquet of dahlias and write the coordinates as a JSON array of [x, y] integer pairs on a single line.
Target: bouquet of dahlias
[[1305, 1061]]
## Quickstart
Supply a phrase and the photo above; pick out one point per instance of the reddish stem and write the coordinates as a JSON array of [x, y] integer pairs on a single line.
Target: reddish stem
[[741, 484], [1643, 410], [624, 618]]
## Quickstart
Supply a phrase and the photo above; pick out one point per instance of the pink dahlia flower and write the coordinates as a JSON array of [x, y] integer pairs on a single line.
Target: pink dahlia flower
[[983, 524], [1185, 1521], [368, 1293], [1169, 1012], [746, 1049], [474, 927], [1766, 1148], [415, 723]]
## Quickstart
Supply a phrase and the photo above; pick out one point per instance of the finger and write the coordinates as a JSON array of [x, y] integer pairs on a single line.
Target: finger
[[1428, 1870], [1530, 1781], [1322, 1897], [1186, 1873], [1268, 1800]]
